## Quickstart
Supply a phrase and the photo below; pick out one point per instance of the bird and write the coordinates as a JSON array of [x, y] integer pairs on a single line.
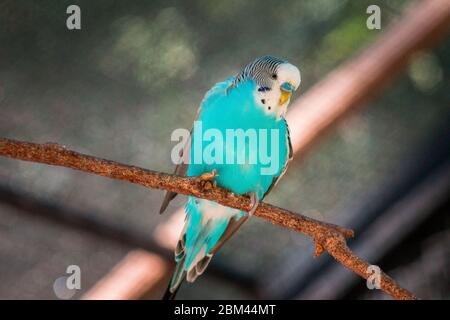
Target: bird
[[256, 98]]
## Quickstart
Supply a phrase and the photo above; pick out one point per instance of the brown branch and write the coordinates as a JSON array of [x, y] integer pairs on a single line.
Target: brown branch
[[327, 237]]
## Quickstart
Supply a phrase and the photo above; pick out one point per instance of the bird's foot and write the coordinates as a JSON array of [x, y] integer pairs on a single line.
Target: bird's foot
[[206, 180], [208, 176], [254, 202]]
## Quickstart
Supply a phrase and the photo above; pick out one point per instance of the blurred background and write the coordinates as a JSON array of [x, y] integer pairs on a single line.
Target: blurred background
[[137, 70]]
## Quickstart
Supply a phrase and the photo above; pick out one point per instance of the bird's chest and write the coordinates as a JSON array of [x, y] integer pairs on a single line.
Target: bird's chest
[[245, 147]]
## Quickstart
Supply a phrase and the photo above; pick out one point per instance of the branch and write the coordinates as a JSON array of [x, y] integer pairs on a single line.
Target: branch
[[327, 237]]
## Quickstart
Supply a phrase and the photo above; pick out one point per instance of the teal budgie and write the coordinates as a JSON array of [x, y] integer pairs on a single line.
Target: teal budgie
[[253, 102]]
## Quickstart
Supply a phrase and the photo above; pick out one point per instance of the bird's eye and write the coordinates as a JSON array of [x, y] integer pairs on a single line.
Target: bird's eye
[[274, 76]]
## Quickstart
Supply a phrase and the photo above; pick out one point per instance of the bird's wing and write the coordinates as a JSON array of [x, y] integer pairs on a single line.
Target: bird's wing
[[233, 225], [180, 170], [286, 164]]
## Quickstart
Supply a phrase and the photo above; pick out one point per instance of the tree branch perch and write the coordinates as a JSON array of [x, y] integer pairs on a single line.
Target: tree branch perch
[[327, 237]]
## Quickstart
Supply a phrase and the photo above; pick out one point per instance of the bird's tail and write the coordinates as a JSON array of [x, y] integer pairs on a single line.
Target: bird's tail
[[179, 274], [171, 293], [192, 259]]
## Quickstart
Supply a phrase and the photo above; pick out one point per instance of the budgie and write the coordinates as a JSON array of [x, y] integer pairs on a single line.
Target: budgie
[[255, 99]]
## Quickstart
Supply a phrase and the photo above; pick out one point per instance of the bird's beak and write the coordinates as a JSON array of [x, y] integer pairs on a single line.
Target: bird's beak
[[286, 92]]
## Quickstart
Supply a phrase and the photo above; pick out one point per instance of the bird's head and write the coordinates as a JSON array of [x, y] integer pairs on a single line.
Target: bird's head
[[275, 79]]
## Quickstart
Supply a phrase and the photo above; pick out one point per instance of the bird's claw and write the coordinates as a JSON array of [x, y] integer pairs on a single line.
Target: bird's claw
[[254, 202], [208, 176], [206, 180]]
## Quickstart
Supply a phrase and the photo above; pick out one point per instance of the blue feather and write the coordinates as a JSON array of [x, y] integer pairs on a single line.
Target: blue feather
[[224, 108]]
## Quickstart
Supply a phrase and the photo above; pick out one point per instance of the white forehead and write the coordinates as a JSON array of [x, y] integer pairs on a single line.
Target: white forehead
[[289, 73]]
